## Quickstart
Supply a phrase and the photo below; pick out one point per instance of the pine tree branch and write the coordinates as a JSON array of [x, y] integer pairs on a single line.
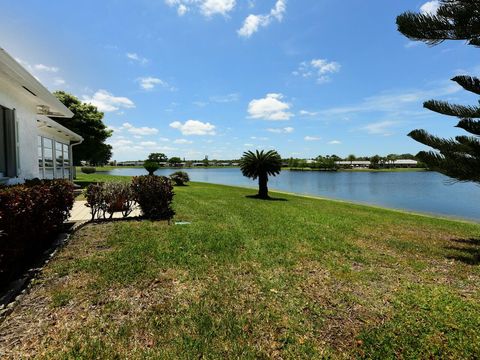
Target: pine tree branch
[[443, 107], [458, 167], [442, 145], [454, 20], [469, 125], [469, 83]]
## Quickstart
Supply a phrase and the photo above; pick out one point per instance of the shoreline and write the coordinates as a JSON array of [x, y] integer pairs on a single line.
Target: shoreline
[[110, 168]]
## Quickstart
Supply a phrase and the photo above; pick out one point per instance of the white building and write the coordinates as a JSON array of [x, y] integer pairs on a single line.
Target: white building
[[32, 145]]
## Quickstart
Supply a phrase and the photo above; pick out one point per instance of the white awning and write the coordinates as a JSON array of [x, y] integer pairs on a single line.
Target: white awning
[[45, 121]]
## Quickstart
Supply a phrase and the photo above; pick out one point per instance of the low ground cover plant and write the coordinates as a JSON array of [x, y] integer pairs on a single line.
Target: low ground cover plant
[[30, 216], [180, 178]]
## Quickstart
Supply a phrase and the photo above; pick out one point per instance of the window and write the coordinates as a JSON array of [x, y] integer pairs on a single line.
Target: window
[[53, 159]]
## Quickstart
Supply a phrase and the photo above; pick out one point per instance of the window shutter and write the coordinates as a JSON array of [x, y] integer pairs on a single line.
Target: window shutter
[[10, 143]]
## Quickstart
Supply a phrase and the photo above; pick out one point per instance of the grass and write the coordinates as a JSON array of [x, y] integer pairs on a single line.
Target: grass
[[301, 278]]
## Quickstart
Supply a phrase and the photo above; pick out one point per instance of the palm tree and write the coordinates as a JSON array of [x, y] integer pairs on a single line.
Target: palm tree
[[260, 165]]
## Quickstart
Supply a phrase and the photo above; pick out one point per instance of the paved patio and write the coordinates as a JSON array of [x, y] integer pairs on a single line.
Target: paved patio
[[80, 212]]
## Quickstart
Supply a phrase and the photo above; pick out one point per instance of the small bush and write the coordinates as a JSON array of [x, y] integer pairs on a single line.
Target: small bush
[[180, 178], [154, 194], [30, 216], [109, 198], [88, 170], [151, 166]]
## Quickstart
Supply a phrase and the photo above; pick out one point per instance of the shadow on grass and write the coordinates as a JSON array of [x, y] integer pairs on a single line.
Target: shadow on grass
[[256, 197], [465, 250]]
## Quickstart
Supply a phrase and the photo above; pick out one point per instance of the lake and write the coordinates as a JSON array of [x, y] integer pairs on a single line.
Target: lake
[[423, 191]]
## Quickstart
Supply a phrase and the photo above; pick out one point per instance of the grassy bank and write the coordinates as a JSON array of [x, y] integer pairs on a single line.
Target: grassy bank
[[293, 278]]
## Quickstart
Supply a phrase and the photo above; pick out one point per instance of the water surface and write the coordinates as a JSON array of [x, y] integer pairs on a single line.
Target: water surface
[[423, 191]]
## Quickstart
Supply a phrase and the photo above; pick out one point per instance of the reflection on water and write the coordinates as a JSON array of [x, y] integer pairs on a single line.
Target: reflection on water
[[428, 192]]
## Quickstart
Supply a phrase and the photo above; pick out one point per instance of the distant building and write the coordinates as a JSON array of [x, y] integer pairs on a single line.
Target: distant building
[[363, 164]]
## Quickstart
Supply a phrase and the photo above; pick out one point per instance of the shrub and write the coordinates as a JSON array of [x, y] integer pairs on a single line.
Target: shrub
[[180, 178], [154, 194], [151, 166], [109, 198], [30, 215], [88, 170]]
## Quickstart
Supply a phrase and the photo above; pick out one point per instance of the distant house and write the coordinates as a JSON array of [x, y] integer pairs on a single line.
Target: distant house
[[402, 163], [32, 145], [405, 163], [353, 164]]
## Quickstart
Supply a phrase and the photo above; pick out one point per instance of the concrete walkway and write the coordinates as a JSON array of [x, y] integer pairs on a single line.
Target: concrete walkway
[[81, 213]]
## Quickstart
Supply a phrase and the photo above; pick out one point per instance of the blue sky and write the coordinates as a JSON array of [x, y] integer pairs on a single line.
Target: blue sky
[[217, 77]]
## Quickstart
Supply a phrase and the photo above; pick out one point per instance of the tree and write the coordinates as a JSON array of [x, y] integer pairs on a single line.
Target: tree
[[174, 161], [151, 166], [261, 165], [459, 157], [86, 122], [351, 158], [157, 157], [375, 162]]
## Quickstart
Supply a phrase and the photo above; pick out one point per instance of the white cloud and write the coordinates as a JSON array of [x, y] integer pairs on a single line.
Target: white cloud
[[137, 58], [140, 131], [430, 7], [381, 128], [183, 141], [207, 8], [270, 108], [335, 142], [107, 102], [307, 113], [321, 69], [59, 82], [394, 102], [149, 83], [262, 138], [148, 143], [46, 68], [225, 98], [285, 130], [200, 103], [311, 138], [252, 22], [194, 127], [182, 10], [213, 7]]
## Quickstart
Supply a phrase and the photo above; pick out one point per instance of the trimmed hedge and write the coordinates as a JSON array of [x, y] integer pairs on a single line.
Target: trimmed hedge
[[88, 170], [30, 216], [151, 166]]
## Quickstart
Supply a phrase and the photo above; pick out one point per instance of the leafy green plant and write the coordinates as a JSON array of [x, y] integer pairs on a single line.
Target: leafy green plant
[[88, 170], [154, 194], [151, 166], [260, 165], [180, 178], [30, 215], [108, 198]]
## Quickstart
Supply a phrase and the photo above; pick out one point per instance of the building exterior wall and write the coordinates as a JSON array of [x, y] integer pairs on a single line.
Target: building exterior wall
[[26, 126]]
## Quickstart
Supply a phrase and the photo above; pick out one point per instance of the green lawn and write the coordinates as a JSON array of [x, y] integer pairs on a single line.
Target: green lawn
[[248, 279]]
